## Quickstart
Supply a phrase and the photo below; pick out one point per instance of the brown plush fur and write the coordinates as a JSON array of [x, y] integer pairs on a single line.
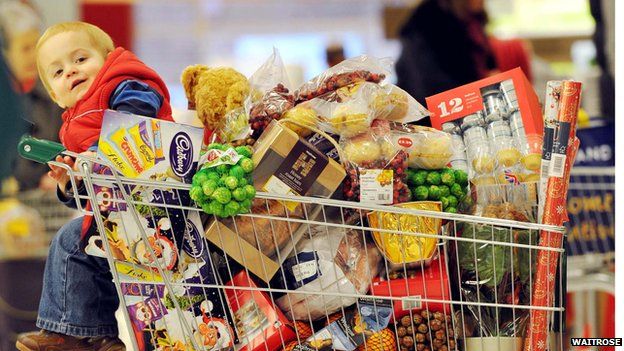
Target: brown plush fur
[[214, 92]]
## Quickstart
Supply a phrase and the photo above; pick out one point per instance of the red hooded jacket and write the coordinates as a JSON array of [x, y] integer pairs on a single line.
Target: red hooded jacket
[[82, 122]]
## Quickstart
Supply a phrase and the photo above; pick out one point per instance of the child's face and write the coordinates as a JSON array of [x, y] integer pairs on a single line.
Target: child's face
[[70, 63]]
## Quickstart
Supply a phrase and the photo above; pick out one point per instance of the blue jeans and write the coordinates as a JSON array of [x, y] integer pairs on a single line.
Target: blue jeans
[[78, 297]]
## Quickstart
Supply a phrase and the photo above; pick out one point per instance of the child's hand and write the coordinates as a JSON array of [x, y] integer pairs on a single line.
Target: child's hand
[[60, 175]]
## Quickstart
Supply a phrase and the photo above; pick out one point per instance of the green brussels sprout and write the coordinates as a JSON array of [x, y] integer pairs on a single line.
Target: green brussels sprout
[[461, 177], [244, 151], [239, 194], [246, 204], [444, 201], [222, 169], [452, 201], [209, 187], [457, 190], [231, 182], [222, 195], [237, 171], [207, 208], [444, 191], [433, 178], [410, 172], [251, 191], [247, 164], [196, 193], [434, 192], [467, 201], [451, 210], [447, 177], [242, 182], [212, 174], [420, 193], [199, 178], [232, 208], [417, 179], [214, 207]]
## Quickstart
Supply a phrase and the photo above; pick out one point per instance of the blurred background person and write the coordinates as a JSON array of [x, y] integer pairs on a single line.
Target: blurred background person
[[444, 45], [334, 54], [20, 27]]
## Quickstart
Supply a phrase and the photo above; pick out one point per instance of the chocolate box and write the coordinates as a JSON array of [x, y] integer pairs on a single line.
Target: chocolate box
[[259, 324], [430, 283], [287, 164]]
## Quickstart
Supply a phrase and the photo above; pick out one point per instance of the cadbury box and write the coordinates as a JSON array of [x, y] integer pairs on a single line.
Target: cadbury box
[[418, 288], [158, 151], [260, 325], [289, 165]]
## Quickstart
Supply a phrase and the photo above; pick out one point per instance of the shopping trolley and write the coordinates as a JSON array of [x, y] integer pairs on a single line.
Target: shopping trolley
[[309, 273]]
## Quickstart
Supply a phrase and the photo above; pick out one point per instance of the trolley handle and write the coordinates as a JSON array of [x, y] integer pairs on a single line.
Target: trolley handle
[[38, 150]]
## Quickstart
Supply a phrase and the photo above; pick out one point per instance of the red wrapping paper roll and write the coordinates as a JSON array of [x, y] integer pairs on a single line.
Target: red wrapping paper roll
[[554, 214]]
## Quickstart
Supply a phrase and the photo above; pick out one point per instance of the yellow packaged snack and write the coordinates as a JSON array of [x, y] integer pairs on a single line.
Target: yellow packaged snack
[[116, 158], [140, 136], [400, 248], [119, 139]]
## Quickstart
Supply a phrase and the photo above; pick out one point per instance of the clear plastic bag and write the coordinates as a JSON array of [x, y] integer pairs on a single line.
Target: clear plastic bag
[[358, 69], [376, 167], [385, 101], [428, 148], [331, 260], [270, 94]]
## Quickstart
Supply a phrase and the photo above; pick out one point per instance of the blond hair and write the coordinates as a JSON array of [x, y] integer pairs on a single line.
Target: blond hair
[[99, 38]]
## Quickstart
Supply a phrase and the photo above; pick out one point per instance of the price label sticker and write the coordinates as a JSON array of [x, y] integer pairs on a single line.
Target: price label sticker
[[376, 186]]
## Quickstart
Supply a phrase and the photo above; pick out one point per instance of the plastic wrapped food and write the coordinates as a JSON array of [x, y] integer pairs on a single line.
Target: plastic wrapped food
[[427, 148], [400, 249], [376, 168], [332, 260], [271, 94], [358, 69]]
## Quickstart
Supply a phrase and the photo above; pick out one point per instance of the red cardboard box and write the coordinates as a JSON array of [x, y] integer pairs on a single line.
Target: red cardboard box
[[430, 283], [467, 99], [506, 106], [259, 324]]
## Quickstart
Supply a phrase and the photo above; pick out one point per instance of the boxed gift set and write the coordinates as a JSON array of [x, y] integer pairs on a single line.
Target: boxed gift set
[[496, 125]]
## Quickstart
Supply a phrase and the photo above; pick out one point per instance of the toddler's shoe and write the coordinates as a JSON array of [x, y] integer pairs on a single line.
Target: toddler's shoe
[[48, 341]]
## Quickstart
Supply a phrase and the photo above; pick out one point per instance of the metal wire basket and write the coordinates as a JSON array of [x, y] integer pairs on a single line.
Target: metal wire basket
[[312, 277]]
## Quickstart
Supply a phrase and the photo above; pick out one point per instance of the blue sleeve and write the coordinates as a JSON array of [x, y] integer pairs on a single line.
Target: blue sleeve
[[136, 97]]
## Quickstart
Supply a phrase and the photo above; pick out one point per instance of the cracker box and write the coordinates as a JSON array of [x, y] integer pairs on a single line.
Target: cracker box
[[429, 283], [259, 324], [497, 121], [289, 165], [262, 241]]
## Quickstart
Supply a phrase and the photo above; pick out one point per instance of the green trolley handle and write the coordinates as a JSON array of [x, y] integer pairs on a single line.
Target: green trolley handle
[[38, 150]]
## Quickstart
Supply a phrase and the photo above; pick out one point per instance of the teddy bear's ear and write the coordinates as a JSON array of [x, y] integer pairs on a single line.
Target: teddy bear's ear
[[190, 78]]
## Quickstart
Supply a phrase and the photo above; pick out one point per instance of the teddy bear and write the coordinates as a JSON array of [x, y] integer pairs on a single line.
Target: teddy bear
[[213, 92]]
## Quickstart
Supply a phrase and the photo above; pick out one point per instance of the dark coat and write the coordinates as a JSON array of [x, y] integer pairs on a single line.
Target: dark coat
[[45, 118], [441, 52]]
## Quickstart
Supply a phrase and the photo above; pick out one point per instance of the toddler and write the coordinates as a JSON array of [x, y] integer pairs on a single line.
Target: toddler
[[85, 74]]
